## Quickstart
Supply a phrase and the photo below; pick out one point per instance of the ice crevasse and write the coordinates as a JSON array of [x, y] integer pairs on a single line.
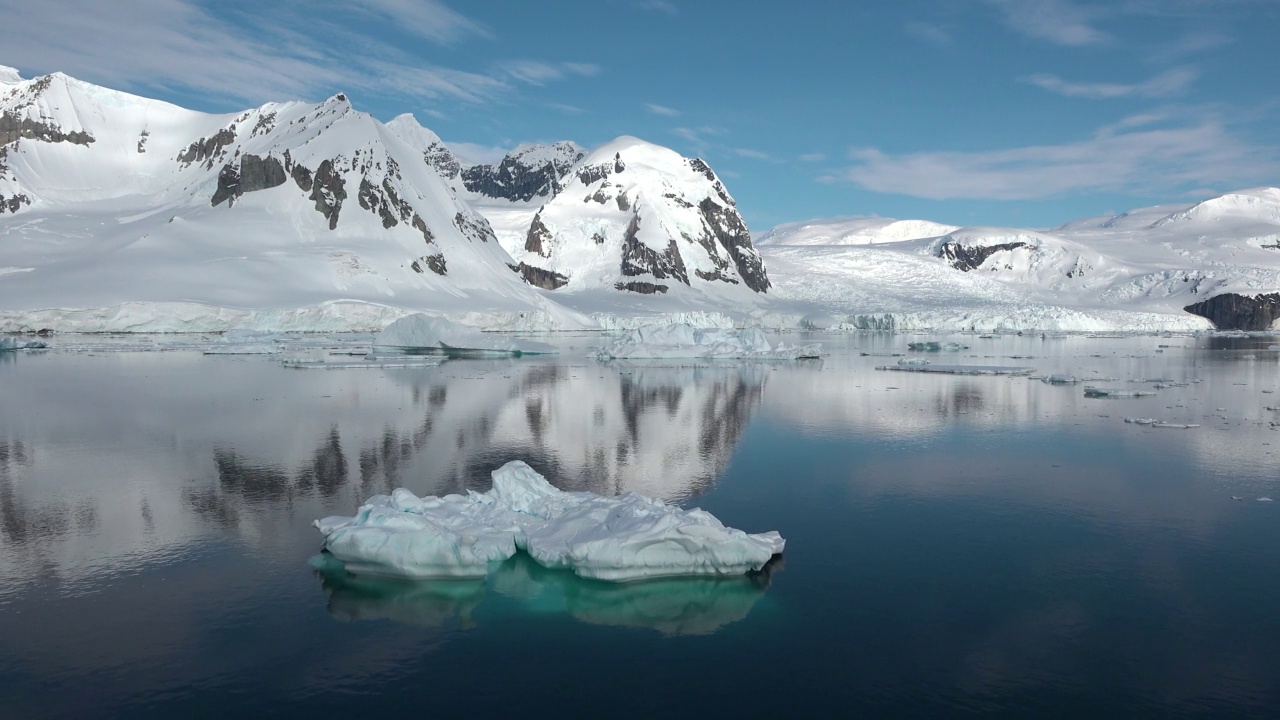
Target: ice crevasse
[[629, 537]]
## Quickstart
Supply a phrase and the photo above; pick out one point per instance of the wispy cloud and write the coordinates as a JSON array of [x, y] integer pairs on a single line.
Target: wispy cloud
[[812, 157], [148, 45], [430, 19], [1127, 157], [752, 154], [661, 110], [1166, 84], [566, 109], [663, 6], [1176, 49], [475, 154], [1059, 21], [536, 72], [936, 35]]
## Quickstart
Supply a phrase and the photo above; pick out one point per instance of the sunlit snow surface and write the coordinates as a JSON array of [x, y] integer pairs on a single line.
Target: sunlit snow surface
[[629, 537]]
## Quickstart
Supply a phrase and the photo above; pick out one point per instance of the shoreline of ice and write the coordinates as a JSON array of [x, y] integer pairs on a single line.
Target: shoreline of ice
[[618, 539], [684, 341]]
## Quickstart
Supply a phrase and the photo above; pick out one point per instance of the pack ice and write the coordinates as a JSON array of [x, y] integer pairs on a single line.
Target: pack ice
[[681, 340], [629, 537], [427, 332]]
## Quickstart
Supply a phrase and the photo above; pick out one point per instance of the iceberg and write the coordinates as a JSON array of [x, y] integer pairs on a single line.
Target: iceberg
[[1095, 392], [13, 343], [957, 369], [629, 537], [683, 341], [428, 333], [934, 346]]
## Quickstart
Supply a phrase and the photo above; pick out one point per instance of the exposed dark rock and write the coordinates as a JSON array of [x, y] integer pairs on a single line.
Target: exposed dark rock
[[678, 200], [228, 186], [208, 150], [328, 192], [701, 167], [474, 227], [260, 173], [371, 199], [599, 197], [255, 173], [732, 234], [14, 127], [142, 141], [439, 157], [716, 275], [539, 277], [539, 237], [434, 263], [618, 165], [266, 123], [13, 203], [1231, 311], [639, 286], [592, 173], [598, 238], [513, 178], [421, 226], [623, 203], [640, 259], [302, 176], [965, 258]]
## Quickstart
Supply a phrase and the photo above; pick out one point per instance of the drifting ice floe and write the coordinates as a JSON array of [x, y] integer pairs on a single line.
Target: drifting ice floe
[[629, 537], [428, 333], [1092, 392], [368, 361], [958, 369], [1159, 423], [685, 341], [934, 346]]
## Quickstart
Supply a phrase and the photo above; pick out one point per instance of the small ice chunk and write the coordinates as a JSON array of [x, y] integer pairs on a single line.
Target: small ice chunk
[[629, 537], [1062, 379], [1141, 421], [934, 346], [913, 361], [1264, 498], [1094, 392], [436, 334]]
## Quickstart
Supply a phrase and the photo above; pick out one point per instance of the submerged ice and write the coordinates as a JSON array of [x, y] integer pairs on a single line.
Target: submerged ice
[[629, 537]]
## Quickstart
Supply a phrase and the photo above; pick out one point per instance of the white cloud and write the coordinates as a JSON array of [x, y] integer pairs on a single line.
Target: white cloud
[[474, 153], [1119, 158], [931, 34], [1166, 84], [661, 110], [537, 72], [1059, 21], [566, 109]]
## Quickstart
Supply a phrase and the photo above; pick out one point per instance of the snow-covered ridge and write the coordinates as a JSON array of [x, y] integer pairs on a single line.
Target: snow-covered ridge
[[530, 172], [852, 231], [1260, 204]]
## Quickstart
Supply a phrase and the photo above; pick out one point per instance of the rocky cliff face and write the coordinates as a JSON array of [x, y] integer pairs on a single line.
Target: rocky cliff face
[[1232, 311], [529, 172]]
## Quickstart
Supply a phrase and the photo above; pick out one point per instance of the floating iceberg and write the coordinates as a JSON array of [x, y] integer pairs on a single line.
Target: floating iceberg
[[368, 361], [1062, 379], [13, 343], [428, 333], [629, 537], [685, 341], [933, 346]]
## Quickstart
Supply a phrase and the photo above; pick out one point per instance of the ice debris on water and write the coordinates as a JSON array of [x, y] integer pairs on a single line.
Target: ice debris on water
[[1062, 379], [957, 369], [1159, 423], [934, 346], [681, 340], [913, 361], [428, 333], [1095, 392], [629, 537], [1264, 498]]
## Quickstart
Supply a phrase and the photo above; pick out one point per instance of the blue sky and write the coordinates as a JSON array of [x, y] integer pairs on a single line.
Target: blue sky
[[1002, 112]]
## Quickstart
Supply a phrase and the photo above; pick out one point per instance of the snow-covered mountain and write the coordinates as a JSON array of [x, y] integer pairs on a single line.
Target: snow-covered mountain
[[530, 172], [291, 215], [1212, 264], [852, 231]]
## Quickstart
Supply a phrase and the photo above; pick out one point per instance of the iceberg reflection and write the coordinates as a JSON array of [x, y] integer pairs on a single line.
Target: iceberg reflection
[[672, 606]]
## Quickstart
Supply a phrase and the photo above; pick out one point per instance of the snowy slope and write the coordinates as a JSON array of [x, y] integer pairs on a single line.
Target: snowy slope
[[116, 205], [852, 231], [1136, 271]]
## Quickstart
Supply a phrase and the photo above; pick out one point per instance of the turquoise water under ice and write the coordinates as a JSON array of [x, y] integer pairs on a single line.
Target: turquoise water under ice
[[956, 544]]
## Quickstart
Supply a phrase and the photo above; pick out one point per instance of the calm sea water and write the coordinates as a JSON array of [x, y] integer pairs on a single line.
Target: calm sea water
[[956, 545]]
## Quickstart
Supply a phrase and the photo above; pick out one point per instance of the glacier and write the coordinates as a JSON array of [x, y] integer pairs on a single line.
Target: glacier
[[629, 537]]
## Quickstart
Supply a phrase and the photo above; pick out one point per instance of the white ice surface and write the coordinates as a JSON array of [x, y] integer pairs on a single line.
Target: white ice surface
[[426, 332], [629, 537], [685, 341]]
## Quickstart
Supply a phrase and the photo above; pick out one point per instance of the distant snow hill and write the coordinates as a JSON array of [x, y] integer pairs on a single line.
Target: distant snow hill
[[1212, 264], [120, 213]]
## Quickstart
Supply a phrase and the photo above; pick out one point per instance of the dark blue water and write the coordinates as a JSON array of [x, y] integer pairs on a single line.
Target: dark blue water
[[956, 545]]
